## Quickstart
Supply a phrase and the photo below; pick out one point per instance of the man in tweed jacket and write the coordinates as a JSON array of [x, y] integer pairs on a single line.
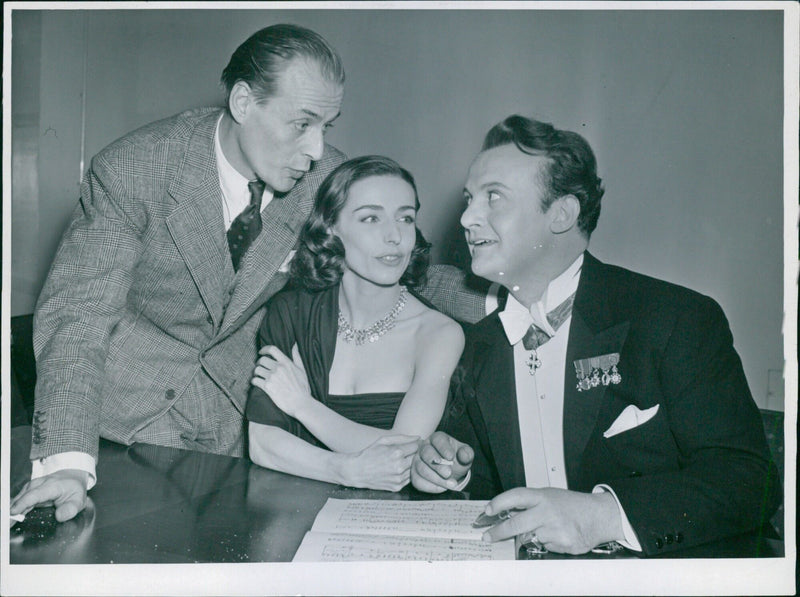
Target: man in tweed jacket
[[144, 331]]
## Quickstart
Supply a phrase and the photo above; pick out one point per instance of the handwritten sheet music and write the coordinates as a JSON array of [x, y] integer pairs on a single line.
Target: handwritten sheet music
[[356, 530]]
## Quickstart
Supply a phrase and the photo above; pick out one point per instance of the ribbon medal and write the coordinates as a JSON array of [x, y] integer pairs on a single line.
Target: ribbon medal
[[595, 371]]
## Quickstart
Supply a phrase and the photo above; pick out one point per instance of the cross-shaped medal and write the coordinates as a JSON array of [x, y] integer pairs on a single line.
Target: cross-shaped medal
[[533, 362]]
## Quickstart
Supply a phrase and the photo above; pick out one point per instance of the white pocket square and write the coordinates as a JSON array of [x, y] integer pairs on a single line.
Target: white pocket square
[[629, 418], [287, 262]]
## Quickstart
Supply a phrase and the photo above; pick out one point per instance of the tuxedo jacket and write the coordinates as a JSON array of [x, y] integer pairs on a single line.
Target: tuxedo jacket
[[698, 471], [142, 307]]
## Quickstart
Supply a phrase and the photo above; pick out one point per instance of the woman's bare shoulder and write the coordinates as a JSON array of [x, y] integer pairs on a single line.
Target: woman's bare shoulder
[[435, 326]]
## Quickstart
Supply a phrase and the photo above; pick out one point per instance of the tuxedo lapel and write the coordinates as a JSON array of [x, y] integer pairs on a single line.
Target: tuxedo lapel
[[593, 332], [196, 225], [496, 397]]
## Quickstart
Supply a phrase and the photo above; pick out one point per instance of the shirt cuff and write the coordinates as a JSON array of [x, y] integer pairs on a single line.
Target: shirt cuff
[[64, 460], [464, 482], [631, 541]]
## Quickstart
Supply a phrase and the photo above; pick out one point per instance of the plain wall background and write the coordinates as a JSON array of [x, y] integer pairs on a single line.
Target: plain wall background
[[683, 109]]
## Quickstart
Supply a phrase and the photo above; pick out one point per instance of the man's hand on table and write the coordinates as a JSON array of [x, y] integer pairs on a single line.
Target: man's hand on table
[[64, 489], [564, 521], [441, 463]]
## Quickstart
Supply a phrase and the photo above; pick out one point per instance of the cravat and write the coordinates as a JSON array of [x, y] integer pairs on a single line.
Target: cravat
[[245, 228], [536, 336]]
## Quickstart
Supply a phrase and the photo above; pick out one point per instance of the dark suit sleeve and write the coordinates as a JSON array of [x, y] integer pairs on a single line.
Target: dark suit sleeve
[[463, 421], [725, 483]]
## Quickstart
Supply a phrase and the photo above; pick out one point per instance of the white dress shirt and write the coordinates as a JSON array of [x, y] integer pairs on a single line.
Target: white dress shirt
[[235, 198], [540, 391], [235, 193]]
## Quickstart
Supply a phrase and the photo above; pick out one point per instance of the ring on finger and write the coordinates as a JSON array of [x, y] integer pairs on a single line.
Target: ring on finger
[[532, 543]]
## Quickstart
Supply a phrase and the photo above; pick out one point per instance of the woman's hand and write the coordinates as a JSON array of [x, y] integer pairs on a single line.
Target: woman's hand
[[283, 379], [386, 464]]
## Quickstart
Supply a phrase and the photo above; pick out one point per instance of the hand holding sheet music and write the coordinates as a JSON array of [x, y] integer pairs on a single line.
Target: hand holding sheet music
[[354, 530]]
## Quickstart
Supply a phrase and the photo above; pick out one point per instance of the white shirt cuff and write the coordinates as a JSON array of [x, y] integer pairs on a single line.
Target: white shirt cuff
[[464, 481], [64, 460], [631, 541]]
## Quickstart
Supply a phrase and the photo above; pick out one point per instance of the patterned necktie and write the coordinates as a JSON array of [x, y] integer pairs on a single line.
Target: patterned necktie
[[247, 225], [535, 336]]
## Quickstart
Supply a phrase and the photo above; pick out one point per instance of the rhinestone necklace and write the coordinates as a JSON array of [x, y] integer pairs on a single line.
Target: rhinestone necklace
[[374, 332]]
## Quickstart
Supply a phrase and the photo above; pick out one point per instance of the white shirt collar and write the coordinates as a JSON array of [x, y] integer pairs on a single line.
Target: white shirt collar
[[516, 319], [230, 178], [235, 193]]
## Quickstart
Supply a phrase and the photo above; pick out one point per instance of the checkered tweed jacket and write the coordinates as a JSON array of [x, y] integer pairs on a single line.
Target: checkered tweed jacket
[[142, 324], [142, 306]]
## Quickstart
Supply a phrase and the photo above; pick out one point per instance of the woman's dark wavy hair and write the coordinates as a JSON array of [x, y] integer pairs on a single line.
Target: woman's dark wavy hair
[[319, 262], [572, 167]]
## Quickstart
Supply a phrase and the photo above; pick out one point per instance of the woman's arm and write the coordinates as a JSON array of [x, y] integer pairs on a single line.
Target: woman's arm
[[437, 350], [385, 465]]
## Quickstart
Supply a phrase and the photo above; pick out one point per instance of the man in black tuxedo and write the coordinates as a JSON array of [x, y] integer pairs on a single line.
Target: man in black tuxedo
[[606, 405]]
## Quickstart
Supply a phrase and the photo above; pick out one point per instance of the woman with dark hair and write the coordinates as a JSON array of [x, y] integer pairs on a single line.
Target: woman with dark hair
[[354, 368]]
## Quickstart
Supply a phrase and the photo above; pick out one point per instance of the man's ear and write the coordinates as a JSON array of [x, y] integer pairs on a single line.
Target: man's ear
[[564, 214], [239, 100]]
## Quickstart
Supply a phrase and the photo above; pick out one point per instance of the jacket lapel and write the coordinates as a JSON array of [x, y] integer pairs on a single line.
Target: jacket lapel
[[593, 332], [196, 225], [497, 399], [257, 278]]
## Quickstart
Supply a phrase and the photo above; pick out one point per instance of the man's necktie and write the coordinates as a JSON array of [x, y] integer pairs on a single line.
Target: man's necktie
[[247, 225], [536, 336]]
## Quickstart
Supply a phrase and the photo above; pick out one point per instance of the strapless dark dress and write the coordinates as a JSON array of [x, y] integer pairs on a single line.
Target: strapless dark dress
[[375, 410]]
